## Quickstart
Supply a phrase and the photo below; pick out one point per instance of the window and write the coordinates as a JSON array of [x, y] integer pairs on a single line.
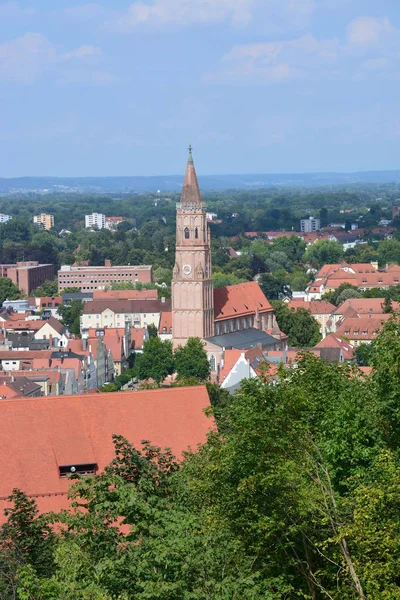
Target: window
[[87, 469], [196, 233], [187, 235], [364, 333], [356, 332], [164, 330], [212, 362]]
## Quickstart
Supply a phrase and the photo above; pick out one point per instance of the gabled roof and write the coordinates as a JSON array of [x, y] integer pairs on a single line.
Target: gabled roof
[[362, 328], [239, 300], [316, 307], [165, 321], [126, 306], [125, 294], [137, 338], [362, 306], [55, 324], [335, 341], [72, 430]]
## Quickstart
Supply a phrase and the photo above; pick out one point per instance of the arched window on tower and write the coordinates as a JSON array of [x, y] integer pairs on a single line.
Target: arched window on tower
[[196, 233], [187, 234], [212, 362]]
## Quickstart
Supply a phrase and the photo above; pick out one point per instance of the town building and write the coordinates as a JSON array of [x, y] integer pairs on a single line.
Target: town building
[[361, 330], [28, 276], [61, 435], [112, 223], [5, 218], [44, 221], [87, 278], [321, 310], [95, 221], [118, 313], [309, 225]]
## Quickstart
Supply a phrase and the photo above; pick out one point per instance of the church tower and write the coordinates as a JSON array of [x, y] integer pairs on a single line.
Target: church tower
[[192, 286]]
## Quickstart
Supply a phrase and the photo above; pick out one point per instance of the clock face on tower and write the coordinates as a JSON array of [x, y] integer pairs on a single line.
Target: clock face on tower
[[186, 269]]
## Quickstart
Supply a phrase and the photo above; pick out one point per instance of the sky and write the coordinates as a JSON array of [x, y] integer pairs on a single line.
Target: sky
[[256, 86]]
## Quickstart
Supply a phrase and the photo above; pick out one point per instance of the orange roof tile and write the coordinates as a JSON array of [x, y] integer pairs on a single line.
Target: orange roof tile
[[239, 300], [137, 338], [335, 341], [362, 328], [30, 460], [125, 294], [165, 321], [316, 307]]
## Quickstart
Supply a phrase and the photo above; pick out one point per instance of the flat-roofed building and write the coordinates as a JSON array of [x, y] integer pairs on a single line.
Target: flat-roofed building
[[88, 278], [29, 275], [95, 220], [44, 221]]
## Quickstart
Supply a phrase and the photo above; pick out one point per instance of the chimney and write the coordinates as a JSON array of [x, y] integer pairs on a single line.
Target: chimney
[[163, 299], [107, 262]]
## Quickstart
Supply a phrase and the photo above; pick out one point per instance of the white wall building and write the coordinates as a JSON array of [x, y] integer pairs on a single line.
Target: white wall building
[[309, 225], [4, 218], [95, 220]]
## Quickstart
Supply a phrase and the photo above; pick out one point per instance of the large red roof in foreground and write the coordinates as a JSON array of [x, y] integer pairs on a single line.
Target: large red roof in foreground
[[37, 435]]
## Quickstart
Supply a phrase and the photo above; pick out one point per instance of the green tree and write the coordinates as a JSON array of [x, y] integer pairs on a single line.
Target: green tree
[[274, 285], [48, 288], [324, 252], [347, 294], [334, 296], [8, 290], [363, 354], [152, 330], [299, 325], [71, 314], [156, 361], [191, 360]]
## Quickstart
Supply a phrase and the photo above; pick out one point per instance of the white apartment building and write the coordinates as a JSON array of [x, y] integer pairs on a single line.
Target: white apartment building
[[95, 220], [4, 218], [309, 225]]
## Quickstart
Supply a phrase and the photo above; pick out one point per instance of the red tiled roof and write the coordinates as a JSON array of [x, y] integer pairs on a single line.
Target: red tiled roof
[[125, 294], [46, 440], [239, 300], [114, 343], [25, 325], [362, 306], [335, 341], [165, 321], [137, 338], [24, 354], [362, 328], [231, 357], [316, 307]]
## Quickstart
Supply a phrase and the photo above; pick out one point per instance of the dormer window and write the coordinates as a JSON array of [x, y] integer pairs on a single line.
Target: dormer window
[[187, 234], [76, 469]]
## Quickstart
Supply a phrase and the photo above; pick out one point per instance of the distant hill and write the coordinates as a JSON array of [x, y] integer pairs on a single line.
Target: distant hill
[[173, 183]]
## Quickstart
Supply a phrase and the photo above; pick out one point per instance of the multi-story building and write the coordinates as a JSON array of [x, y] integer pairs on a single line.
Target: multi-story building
[[99, 278], [102, 314], [96, 220], [29, 275], [4, 218], [309, 225], [44, 221], [112, 223]]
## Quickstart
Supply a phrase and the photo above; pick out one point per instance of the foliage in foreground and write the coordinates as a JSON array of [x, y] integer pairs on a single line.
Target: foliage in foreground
[[298, 497]]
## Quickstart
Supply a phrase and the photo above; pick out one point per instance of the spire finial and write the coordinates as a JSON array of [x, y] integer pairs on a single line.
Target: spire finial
[[190, 159]]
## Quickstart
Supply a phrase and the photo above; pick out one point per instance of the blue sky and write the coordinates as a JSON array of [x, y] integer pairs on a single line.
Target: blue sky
[[257, 86]]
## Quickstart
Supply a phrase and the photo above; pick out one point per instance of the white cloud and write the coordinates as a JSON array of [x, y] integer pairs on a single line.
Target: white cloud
[[24, 59], [375, 64], [81, 52], [13, 9], [277, 61], [370, 44], [366, 31], [185, 13]]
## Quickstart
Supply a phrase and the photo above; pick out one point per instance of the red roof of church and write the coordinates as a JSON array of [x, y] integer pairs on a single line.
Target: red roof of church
[[38, 435], [239, 300]]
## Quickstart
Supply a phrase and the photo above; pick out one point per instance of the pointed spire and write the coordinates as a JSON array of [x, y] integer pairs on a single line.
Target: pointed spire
[[191, 190]]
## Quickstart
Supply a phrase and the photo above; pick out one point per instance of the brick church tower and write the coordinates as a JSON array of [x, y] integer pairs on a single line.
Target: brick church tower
[[192, 286]]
